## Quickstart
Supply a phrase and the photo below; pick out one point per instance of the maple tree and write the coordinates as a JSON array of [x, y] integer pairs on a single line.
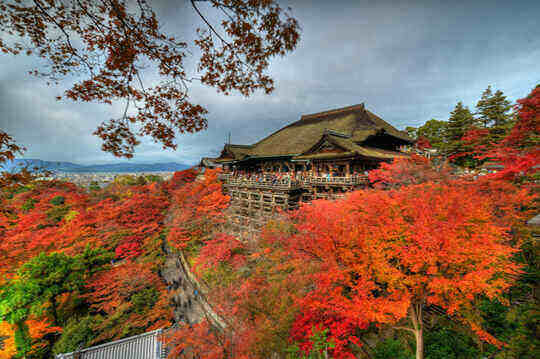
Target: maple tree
[[44, 221], [8, 147], [132, 291], [30, 301], [7, 349], [197, 209], [411, 170], [112, 44], [386, 256]]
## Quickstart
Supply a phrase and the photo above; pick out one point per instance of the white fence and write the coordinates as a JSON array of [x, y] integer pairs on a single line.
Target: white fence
[[143, 346]]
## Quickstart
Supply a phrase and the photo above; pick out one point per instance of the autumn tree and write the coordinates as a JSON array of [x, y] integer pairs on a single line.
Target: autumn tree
[[518, 151], [388, 256], [8, 147], [132, 291], [37, 291], [412, 170], [433, 131], [197, 209], [112, 44], [48, 226]]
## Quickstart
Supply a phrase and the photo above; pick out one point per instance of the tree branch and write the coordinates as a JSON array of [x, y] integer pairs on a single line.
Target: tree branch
[[405, 328], [207, 23]]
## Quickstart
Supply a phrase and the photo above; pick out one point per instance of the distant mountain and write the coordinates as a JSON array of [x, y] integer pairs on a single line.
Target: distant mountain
[[58, 166]]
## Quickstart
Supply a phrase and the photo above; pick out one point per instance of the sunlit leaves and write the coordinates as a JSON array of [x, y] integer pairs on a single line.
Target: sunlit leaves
[[370, 257]]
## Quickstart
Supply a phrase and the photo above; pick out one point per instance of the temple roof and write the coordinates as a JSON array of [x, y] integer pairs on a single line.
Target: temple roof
[[354, 122], [349, 147]]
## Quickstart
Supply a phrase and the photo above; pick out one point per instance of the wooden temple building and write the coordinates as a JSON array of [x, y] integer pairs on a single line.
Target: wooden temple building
[[323, 155]]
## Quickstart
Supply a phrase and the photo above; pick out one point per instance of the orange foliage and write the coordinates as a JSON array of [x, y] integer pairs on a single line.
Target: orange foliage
[[112, 293], [198, 207], [405, 171], [7, 341], [58, 217], [201, 338], [519, 152], [38, 328], [375, 254]]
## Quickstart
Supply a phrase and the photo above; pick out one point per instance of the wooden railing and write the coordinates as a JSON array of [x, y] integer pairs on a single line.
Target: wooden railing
[[354, 180], [288, 183], [284, 183]]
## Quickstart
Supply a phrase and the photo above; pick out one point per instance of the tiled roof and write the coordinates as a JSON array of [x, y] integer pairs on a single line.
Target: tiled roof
[[295, 139]]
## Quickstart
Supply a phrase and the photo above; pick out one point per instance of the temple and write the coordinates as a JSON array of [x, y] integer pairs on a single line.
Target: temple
[[323, 155]]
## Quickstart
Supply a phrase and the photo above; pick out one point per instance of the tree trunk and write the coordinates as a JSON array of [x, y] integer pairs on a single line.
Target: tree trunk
[[419, 344], [416, 318]]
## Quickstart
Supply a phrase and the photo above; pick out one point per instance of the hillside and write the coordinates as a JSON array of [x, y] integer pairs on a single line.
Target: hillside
[[70, 167]]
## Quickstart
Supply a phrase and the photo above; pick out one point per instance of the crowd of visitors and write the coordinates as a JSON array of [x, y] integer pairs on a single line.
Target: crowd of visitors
[[290, 178]]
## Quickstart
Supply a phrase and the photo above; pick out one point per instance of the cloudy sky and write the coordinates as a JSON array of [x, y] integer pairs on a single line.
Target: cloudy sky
[[408, 61]]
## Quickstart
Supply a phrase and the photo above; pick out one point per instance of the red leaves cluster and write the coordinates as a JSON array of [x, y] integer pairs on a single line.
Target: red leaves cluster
[[341, 331], [33, 224], [519, 152], [406, 171], [8, 147], [43, 216], [423, 143], [201, 338], [378, 252], [140, 216], [198, 207], [112, 291], [222, 249]]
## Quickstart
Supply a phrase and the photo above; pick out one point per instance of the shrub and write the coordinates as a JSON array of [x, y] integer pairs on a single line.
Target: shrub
[[58, 201], [78, 333]]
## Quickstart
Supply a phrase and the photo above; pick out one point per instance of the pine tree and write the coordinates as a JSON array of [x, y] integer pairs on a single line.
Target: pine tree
[[460, 121], [493, 109], [494, 112]]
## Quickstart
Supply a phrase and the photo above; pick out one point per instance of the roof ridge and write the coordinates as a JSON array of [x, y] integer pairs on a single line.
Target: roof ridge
[[328, 131], [235, 145], [333, 111]]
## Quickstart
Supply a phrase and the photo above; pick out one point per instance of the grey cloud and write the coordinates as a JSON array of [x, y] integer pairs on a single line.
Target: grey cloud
[[408, 61]]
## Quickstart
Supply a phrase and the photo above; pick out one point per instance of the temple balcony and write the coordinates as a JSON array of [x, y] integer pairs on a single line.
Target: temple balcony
[[288, 184]]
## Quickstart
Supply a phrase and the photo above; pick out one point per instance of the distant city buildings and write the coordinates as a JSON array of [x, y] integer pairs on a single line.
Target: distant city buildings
[[102, 179]]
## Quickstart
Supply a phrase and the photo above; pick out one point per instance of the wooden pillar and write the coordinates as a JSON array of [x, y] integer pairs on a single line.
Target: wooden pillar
[[347, 169]]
